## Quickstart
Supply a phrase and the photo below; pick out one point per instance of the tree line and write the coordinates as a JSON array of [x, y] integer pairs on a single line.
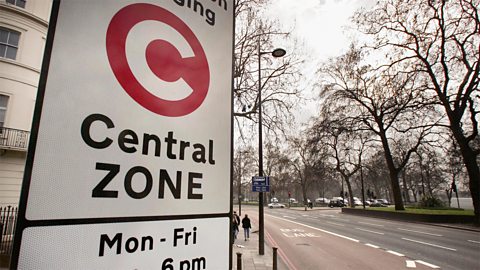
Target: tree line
[[399, 112]]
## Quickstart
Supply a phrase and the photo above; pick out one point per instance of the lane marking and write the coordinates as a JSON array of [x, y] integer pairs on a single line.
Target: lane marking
[[338, 224], [429, 244], [411, 264], [373, 246], [305, 215], [369, 231], [280, 252], [378, 225], [434, 234], [473, 241], [427, 264], [395, 253], [318, 229], [290, 217]]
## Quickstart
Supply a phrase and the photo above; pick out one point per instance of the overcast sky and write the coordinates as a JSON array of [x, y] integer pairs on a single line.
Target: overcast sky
[[323, 27]]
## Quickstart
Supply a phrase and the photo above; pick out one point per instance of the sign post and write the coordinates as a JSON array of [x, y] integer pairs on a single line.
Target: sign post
[[129, 163]]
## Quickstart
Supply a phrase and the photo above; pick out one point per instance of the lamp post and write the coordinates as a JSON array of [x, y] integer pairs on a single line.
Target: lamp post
[[261, 231]]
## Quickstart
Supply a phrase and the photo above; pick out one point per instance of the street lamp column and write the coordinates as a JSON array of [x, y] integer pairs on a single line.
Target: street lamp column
[[261, 231]]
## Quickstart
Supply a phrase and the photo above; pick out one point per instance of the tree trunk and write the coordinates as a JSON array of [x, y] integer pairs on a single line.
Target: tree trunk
[[470, 161], [405, 187], [350, 193], [397, 193]]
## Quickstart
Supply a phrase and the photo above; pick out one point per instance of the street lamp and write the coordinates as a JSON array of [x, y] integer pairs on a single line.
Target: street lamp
[[261, 232]]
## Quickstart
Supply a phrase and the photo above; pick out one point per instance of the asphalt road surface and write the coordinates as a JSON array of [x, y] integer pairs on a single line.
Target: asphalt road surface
[[328, 239]]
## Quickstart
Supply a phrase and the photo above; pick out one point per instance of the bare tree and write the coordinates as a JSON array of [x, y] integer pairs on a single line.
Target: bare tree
[[243, 168], [342, 148], [440, 41], [387, 103], [278, 76], [307, 164]]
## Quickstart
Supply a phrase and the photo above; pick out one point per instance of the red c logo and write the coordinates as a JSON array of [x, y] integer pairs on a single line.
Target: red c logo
[[162, 57]]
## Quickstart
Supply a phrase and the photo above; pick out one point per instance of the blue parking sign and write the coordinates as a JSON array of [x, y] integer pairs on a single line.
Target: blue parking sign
[[261, 184]]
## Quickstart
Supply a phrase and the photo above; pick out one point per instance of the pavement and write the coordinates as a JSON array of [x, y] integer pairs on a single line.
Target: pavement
[[250, 258]]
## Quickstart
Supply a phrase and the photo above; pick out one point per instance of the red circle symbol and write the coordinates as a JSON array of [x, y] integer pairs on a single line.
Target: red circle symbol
[[162, 57]]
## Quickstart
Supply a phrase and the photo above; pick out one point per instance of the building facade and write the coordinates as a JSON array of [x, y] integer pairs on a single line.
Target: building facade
[[23, 32]]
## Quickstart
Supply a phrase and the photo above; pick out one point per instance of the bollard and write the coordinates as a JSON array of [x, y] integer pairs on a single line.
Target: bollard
[[274, 258], [239, 261]]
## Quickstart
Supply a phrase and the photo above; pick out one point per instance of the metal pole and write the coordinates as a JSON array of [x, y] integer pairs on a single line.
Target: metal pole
[[239, 261], [261, 233], [274, 258]]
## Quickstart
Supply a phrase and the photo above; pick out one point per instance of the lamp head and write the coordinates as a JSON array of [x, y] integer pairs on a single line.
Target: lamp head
[[278, 52]]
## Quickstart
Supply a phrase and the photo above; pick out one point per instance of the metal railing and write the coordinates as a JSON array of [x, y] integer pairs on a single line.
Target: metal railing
[[11, 138], [8, 220]]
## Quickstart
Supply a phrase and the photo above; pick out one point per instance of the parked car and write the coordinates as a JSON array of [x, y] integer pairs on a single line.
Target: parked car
[[357, 202], [276, 205], [384, 201], [274, 200], [377, 203], [292, 200], [336, 203], [345, 200], [322, 200]]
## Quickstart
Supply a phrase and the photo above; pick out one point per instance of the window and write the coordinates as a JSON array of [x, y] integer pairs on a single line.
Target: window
[[18, 3], [9, 43], [3, 109]]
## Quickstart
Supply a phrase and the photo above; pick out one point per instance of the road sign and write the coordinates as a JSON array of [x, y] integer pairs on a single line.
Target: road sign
[[260, 184], [131, 127]]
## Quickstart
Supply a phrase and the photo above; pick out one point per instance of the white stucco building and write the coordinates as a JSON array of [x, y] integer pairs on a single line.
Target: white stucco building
[[23, 32]]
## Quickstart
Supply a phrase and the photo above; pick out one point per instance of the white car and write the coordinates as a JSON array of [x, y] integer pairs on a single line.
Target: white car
[[276, 205], [322, 200]]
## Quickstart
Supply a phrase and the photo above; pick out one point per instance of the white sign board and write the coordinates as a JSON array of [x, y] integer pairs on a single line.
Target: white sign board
[[146, 245], [133, 122]]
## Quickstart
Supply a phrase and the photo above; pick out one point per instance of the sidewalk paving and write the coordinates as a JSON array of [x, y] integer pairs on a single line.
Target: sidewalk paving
[[251, 260]]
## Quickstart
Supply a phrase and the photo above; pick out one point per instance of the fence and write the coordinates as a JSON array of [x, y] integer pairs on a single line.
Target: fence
[[14, 138], [8, 220]]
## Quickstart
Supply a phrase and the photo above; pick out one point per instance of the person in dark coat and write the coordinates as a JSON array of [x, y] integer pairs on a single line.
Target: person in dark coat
[[246, 225], [236, 221]]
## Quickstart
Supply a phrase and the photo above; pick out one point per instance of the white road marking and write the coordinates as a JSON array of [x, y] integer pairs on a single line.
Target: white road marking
[[419, 232], [427, 264], [369, 231], [429, 244], [318, 229], [338, 224], [289, 217], [473, 241], [373, 246], [395, 253], [305, 215], [411, 264], [378, 225]]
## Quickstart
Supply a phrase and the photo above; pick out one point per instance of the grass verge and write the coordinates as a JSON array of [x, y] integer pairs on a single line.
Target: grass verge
[[426, 211]]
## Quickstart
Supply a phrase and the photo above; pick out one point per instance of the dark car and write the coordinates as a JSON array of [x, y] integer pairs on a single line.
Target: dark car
[[336, 203]]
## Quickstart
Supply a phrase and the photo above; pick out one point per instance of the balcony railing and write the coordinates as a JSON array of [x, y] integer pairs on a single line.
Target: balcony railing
[[14, 139]]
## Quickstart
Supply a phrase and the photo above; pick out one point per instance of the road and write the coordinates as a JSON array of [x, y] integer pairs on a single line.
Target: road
[[328, 239]]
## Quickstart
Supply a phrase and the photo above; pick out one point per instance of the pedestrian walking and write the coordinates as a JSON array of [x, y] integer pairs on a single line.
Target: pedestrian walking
[[246, 225], [234, 229], [236, 220]]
